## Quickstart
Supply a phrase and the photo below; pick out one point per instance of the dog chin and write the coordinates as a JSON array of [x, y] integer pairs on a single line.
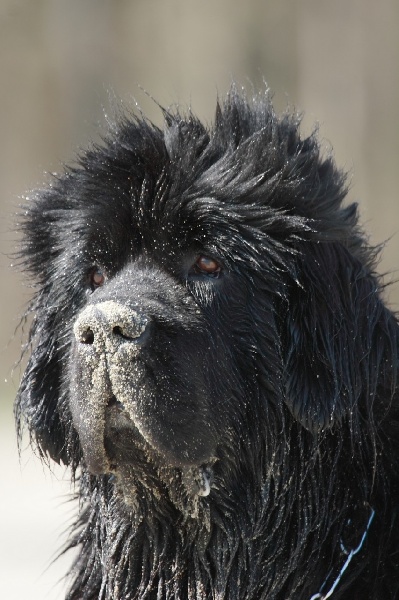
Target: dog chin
[[134, 463]]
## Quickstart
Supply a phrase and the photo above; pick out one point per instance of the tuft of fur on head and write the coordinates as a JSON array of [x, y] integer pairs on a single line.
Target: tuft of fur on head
[[233, 448]]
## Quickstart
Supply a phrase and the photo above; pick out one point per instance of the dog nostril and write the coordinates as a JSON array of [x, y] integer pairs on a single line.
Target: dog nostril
[[128, 332], [87, 337]]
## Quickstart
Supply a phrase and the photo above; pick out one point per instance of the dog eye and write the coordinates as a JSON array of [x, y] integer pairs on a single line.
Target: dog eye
[[207, 266], [97, 278]]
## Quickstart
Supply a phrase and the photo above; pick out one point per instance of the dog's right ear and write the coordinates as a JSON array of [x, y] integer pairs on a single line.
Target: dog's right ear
[[37, 402], [342, 341]]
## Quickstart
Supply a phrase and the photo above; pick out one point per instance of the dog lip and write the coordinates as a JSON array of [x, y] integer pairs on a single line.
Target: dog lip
[[97, 459], [116, 417]]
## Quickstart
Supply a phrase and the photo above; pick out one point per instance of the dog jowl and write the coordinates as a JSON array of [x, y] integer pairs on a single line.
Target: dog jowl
[[212, 357]]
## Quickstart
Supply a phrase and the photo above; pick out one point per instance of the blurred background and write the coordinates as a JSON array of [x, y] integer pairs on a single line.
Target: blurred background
[[65, 63]]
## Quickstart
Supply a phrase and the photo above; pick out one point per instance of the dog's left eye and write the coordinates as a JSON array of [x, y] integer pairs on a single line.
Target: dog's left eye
[[207, 266]]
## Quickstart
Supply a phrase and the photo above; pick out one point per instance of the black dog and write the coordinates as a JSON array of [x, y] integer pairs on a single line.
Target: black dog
[[211, 352]]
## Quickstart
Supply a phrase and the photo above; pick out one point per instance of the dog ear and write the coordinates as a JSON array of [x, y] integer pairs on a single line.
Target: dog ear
[[37, 402], [340, 338]]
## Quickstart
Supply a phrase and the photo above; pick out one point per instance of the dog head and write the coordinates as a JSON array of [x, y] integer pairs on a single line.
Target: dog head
[[195, 288]]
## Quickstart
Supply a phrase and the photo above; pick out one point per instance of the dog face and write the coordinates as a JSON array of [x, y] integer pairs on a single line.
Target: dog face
[[156, 331]]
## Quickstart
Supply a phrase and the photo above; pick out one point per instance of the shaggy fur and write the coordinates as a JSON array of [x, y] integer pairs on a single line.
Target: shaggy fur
[[211, 355]]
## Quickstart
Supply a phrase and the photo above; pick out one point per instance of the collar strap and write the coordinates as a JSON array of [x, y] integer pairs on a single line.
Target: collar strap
[[350, 554]]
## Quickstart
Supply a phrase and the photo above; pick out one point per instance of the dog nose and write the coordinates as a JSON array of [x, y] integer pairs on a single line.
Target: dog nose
[[110, 322]]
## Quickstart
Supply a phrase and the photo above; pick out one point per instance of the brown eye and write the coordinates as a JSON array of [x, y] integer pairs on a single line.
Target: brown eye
[[207, 266], [96, 278]]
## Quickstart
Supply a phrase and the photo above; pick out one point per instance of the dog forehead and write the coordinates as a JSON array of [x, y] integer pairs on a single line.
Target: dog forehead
[[147, 222]]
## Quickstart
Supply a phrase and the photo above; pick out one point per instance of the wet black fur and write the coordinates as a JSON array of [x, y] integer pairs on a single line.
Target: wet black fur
[[296, 353]]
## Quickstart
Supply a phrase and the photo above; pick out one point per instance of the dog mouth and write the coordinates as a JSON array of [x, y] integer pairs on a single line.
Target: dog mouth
[[123, 445], [108, 435], [120, 433]]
